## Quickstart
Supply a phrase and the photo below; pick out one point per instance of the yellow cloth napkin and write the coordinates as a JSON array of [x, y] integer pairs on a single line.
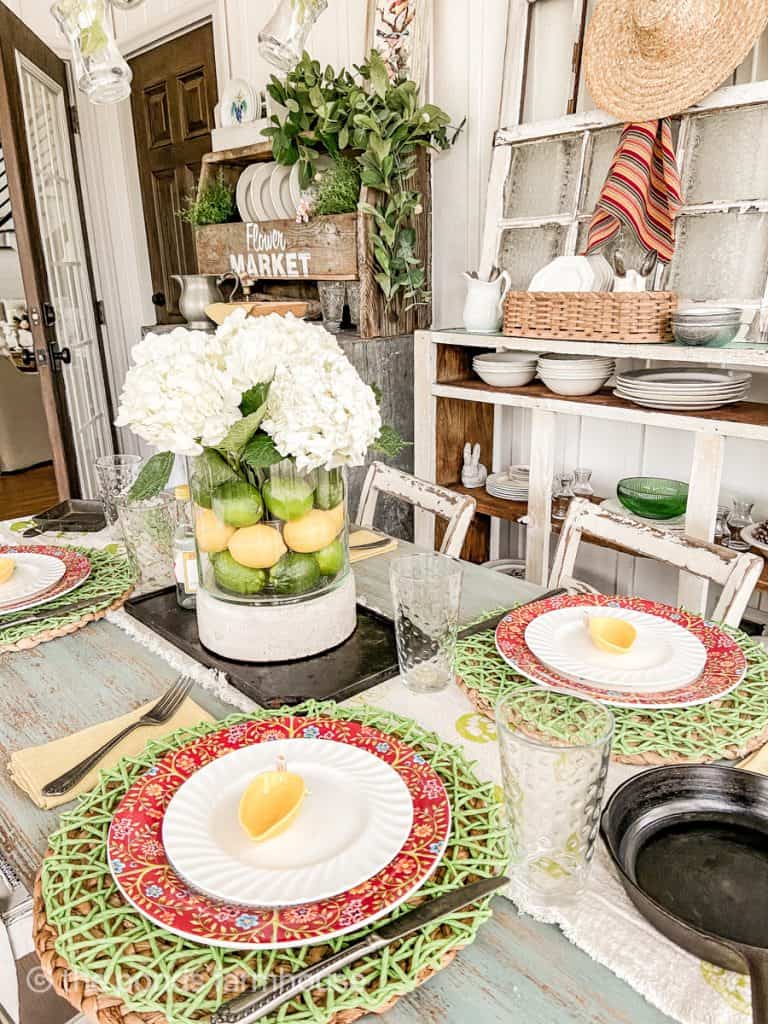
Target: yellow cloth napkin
[[32, 768], [757, 761], [362, 537]]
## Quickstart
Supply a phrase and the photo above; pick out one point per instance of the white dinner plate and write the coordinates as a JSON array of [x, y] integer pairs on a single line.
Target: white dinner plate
[[241, 193], [354, 820], [664, 656], [684, 378], [277, 178], [693, 406], [565, 274], [33, 575], [294, 186], [239, 97], [259, 201]]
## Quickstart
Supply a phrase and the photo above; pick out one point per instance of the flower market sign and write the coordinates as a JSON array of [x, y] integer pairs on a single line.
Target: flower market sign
[[325, 248]]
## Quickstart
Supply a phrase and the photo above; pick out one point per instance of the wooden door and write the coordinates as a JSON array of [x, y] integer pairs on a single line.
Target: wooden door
[[36, 132], [173, 96]]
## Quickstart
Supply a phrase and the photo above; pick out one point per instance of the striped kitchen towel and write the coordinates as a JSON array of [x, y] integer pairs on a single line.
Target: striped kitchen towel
[[642, 190]]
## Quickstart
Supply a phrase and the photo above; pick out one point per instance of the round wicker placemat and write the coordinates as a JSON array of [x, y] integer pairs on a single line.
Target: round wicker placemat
[[120, 968], [110, 584], [729, 728]]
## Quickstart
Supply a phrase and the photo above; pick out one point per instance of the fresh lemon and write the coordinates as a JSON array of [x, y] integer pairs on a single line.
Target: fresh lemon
[[270, 804], [258, 547], [7, 566], [314, 531], [612, 635], [212, 535]]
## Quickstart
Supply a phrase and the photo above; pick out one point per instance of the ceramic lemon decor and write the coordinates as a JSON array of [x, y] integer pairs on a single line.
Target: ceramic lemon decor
[[212, 535], [271, 802], [258, 547], [7, 565], [616, 636]]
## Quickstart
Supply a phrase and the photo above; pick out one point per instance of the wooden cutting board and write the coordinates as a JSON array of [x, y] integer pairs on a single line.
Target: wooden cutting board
[[219, 311]]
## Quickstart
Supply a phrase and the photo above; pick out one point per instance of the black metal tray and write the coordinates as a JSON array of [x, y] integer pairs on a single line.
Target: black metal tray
[[73, 515], [366, 659]]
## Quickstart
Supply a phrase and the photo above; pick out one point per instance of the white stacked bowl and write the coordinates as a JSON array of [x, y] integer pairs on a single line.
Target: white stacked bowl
[[505, 369], [574, 375]]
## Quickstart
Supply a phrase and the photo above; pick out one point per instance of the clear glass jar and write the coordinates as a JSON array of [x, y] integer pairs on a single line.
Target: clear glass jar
[[722, 530], [283, 39], [99, 68], [281, 536], [561, 496], [582, 486], [739, 519], [184, 550]]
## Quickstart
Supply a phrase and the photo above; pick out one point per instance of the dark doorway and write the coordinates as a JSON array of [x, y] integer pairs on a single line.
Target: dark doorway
[[173, 96]]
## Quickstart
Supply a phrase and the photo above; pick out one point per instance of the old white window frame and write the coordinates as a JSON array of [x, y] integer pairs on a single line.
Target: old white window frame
[[585, 125]]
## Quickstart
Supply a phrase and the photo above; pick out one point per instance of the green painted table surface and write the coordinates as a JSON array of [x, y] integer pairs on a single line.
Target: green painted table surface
[[518, 971]]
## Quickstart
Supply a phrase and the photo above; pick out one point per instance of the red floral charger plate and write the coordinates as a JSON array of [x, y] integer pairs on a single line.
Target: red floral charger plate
[[146, 879], [724, 670], [78, 569]]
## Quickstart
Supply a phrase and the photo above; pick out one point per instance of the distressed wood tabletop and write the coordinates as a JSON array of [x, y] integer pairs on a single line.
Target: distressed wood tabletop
[[517, 971]]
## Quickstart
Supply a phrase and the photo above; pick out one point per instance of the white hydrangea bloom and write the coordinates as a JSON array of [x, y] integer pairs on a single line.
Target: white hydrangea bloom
[[184, 391]]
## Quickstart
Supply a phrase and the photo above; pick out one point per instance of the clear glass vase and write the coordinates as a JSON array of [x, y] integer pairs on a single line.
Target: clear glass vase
[[283, 38], [97, 64], [279, 537]]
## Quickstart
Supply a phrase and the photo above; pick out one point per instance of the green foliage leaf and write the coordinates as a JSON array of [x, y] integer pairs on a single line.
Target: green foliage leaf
[[254, 399], [260, 452], [214, 205], [389, 442], [153, 477], [240, 434], [209, 470]]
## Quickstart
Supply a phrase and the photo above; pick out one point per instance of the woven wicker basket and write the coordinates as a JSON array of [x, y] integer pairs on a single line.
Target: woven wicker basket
[[632, 318]]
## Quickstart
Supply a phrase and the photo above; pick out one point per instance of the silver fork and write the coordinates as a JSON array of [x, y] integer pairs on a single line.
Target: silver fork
[[157, 715]]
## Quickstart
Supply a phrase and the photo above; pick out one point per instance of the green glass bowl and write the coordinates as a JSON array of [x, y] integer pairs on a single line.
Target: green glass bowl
[[653, 497]]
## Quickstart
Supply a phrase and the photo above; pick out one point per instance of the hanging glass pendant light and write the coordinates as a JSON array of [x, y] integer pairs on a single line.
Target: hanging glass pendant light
[[98, 66], [283, 38]]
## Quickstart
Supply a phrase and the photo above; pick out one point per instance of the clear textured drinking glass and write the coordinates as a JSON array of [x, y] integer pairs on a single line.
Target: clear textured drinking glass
[[722, 530], [739, 519], [115, 474], [148, 529], [332, 296], [562, 494], [426, 594], [554, 761]]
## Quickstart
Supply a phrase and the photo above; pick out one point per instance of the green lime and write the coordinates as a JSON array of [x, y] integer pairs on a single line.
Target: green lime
[[331, 558], [287, 499], [238, 503], [295, 573], [239, 579]]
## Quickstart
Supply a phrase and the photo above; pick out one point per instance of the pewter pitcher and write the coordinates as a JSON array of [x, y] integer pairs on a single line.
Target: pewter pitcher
[[197, 292]]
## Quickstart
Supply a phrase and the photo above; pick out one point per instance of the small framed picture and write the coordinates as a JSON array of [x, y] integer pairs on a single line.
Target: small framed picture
[[401, 31]]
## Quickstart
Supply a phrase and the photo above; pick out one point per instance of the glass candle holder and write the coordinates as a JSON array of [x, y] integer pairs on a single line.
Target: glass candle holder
[[582, 485], [115, 474], [739, 519], [554, 765], [561, 496], [99, 68]]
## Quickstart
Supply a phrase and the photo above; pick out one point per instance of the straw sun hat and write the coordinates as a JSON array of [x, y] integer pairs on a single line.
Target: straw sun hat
[[650, 58]]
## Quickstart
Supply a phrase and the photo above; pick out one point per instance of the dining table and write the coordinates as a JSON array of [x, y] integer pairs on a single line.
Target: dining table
[[518, 969]]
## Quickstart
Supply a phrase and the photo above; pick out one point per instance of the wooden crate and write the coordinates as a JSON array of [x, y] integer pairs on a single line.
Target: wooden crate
[[333, 248]]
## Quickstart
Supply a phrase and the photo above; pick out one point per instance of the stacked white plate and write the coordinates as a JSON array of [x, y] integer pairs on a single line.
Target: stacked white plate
[[679, 388], [573, 374], [505, 369], [512, 484]]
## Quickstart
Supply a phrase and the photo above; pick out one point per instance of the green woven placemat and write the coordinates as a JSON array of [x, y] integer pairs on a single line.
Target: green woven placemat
[[112, 577], [99, 936], [727, 728]]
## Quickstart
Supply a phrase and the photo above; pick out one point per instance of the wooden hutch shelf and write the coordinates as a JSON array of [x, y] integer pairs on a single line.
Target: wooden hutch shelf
[[456, 406]]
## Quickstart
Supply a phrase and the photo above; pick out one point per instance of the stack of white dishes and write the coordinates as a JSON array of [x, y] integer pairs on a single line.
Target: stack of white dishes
[[512, 484], [505, 369], [676, 525], [573, 274], [574, 375], [679, 388], [268, 191]]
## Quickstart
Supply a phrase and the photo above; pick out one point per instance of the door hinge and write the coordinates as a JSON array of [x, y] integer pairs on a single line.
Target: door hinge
[[74, 120], [101, 313]]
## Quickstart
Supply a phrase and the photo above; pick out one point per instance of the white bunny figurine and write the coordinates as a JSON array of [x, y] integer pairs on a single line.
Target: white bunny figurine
[[473, 473]]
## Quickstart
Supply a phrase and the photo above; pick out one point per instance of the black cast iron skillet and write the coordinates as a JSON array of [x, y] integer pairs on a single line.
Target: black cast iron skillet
[[690, 844]]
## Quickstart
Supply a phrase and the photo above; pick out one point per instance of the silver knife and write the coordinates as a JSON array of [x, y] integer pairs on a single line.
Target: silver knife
[[49, 613], [252, 1006]]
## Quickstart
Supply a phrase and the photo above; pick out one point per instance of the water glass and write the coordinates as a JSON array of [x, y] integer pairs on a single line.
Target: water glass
[[332, 295], [554, 760], [148, 530], [582, 483], [426, 594], [739, 519], [115, 474]]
